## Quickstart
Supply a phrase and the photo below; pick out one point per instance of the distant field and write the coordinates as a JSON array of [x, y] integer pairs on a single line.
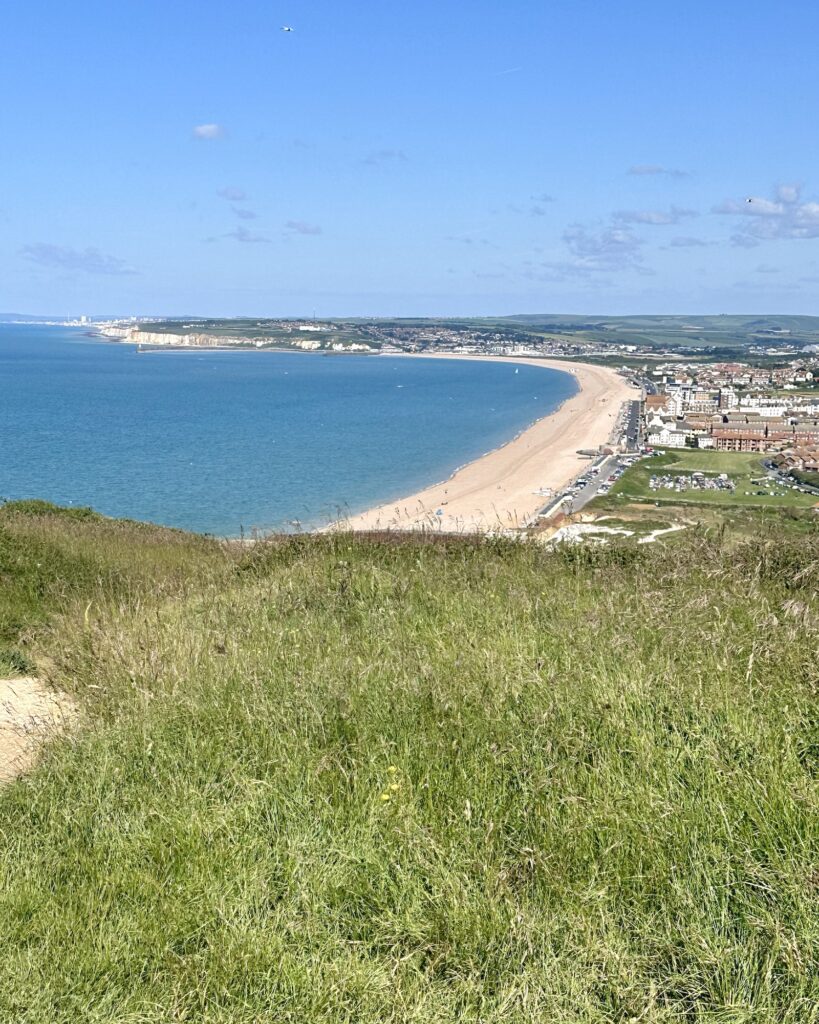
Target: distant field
[[741, 468], [722, 332]]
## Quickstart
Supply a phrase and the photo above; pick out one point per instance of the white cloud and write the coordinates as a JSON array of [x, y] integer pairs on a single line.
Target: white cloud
[[788, 193], [756, 207], [208, 131], [785, 216], [233, 195]]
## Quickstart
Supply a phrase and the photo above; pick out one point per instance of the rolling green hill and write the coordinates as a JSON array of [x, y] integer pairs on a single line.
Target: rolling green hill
[[721, 331]]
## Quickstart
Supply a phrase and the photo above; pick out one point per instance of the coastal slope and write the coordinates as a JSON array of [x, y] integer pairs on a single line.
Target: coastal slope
[[503, 489], [412, 777]]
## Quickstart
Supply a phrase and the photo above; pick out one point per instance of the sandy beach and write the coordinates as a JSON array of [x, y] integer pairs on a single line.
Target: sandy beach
[[498, 491]]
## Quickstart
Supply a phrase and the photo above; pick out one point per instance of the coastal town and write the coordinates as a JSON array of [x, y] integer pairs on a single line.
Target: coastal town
[[633, 339], [762, 402], [737, 407]]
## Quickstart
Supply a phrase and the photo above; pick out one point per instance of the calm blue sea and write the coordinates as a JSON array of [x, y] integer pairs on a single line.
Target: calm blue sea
[[219, 442]]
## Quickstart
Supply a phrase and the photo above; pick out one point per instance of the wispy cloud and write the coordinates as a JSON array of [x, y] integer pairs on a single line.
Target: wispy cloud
[[592, 254], [385, 156], [742, 241], [761, 207], [241, 234], [63, 257], [301, 227], [532, 210], [655, 217], [766, 268], [468, 240], [208, 131], [658, 169], [687, 242], [785, 216], [613, 248], [242, 213], [789, 193], [536, 207], [232, 194]]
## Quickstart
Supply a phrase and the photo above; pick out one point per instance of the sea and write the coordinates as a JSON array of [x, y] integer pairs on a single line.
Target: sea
[[236, 442]]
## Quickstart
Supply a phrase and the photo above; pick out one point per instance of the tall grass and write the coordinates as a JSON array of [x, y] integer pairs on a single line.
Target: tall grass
[[54, 559], [340, 779]]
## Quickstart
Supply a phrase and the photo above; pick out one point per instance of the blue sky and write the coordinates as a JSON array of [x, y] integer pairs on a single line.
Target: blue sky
[[409, 159]]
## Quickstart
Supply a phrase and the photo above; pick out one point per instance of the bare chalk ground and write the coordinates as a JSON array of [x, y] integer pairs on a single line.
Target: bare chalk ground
[[30, 713]]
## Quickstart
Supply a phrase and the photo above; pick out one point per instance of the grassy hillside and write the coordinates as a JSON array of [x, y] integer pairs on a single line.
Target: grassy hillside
[[719, 331], [53, 559], [347, 779]]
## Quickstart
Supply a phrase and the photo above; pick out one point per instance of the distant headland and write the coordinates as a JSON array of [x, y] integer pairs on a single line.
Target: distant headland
[[628, 340]]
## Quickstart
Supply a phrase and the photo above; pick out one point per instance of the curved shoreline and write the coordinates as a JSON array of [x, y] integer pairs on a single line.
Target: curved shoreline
[[497, 491]]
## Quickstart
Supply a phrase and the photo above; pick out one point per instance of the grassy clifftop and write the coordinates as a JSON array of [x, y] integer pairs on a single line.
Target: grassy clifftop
[[351, 779]]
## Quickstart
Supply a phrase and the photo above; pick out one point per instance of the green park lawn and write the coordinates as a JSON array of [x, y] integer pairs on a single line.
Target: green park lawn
[[743, 470]]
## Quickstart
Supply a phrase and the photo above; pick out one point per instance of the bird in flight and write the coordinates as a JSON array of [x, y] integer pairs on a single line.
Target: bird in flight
[[286, 28]]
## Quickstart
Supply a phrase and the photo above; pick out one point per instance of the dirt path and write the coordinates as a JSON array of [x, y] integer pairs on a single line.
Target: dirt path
[[29, 714]]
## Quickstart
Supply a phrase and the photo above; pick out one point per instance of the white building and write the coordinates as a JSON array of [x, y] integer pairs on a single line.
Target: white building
[[667, 437]]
